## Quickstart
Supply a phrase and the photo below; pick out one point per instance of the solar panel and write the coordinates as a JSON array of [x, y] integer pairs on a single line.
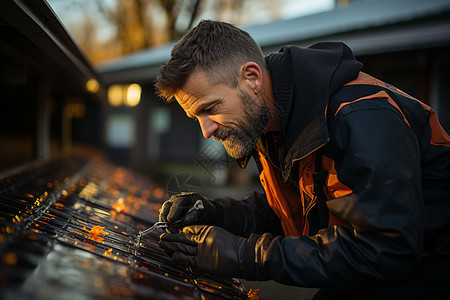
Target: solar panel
[[68, 230]]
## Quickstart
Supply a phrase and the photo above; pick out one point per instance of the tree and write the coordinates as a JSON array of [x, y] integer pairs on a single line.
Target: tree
[[138, 24], [173, 8]]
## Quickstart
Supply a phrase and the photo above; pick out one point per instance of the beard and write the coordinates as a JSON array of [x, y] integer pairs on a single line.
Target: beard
[[241, 141]]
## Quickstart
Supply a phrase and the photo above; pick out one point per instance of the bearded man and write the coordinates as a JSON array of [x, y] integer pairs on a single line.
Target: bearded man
[[356, 173]]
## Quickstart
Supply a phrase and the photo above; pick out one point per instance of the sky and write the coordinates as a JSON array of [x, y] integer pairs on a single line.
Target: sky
[[297, 8]]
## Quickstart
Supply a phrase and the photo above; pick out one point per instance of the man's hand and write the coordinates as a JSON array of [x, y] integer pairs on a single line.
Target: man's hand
[[208, 248], [191, 208]]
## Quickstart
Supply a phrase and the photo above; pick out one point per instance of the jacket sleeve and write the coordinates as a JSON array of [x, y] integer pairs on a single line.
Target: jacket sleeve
[[376, 154], [249, 215]]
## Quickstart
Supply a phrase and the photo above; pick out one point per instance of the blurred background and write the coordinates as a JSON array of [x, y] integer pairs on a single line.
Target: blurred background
[[77, 76]]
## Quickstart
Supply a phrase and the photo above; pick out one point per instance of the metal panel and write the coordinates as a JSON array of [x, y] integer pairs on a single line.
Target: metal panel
[[68, 230]]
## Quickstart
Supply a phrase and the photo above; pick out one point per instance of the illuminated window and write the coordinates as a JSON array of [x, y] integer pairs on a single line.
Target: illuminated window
[[124, 94], [133, 95], [120, 131], [115, 95]]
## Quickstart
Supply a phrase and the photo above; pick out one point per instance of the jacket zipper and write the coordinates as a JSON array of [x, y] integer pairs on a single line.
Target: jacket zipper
[[314, 200], [305, 217]]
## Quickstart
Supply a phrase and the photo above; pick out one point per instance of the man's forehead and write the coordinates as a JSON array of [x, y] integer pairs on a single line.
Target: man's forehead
[[182, 97], [196, 87]]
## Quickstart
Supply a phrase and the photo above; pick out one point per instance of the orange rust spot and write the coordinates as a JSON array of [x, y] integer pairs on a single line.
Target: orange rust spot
[[36, 230], [108, 252], [252, 294], [95, 232]]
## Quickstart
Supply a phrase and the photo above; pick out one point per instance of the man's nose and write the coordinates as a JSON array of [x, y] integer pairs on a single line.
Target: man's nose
[[208, 126]]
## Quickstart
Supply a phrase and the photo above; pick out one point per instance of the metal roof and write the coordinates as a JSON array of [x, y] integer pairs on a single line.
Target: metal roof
[[135, 66], [70, 229], [368, 26], [360, 15]]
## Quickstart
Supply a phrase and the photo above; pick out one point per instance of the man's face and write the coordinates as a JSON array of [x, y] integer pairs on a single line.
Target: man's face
[[230, 115]]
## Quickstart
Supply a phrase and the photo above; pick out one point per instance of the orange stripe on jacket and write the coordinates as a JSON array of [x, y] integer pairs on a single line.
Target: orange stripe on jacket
[[439, 137], [381, 94]]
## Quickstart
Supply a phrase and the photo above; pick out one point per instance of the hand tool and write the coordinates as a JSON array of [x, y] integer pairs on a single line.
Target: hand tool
[[160, 225]]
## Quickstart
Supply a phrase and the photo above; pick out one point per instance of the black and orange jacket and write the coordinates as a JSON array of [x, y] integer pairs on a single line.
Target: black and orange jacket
[[381, 161]]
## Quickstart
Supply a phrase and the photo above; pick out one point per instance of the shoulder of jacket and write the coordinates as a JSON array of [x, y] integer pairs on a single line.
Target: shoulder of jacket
[[351, 95]]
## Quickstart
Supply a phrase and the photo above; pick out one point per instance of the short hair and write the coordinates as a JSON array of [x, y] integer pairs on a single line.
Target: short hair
[[217, 48]]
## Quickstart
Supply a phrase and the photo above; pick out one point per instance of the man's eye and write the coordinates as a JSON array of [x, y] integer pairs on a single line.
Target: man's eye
[[213, 109]]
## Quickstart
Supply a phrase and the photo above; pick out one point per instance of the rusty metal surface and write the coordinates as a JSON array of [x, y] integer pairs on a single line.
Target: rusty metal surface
[[68, 230]]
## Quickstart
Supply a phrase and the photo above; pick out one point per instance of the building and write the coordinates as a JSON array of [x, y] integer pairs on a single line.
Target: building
[[50, 93]]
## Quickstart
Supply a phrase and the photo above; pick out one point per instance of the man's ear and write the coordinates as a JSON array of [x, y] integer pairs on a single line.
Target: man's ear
[[251, 76]]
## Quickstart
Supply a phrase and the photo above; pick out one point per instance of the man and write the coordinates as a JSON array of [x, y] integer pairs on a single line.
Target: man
[[356, 173]]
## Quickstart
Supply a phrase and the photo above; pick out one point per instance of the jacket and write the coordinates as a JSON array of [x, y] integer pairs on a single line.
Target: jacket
[[358, 178]]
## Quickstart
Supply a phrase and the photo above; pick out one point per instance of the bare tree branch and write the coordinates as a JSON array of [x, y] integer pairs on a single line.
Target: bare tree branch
[[136, 26]]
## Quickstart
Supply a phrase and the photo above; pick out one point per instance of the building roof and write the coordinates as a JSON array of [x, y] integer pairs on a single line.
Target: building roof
[[367, 26], [360, 15], [32, 31]]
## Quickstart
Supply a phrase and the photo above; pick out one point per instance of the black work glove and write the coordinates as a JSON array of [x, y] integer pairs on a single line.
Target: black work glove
[[211, 249], [191, 208]]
